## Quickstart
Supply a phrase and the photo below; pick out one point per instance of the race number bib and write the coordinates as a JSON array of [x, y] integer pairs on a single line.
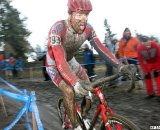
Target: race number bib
[[55, 40]]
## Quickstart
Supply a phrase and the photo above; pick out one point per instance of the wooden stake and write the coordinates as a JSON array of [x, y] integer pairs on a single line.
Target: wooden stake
[[3, 106], [34, 122]]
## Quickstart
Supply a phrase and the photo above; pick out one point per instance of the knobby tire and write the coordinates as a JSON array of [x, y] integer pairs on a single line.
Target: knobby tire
[[128, 125]]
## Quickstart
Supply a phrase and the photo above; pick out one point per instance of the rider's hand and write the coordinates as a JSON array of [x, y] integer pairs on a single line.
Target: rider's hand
[[82, 87], [79, 90]]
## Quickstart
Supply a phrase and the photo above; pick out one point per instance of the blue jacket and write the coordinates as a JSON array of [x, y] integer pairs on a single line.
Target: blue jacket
[[88, 57]]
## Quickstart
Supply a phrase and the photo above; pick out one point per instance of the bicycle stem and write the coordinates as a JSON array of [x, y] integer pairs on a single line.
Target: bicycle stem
[[98, 93], [104, 80], [102, 108]]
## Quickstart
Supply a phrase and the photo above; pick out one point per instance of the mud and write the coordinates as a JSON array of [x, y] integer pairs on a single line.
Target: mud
[[134, 105]]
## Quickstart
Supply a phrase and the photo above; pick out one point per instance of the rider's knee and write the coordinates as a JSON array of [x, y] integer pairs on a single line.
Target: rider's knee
[[69, 91], [147, 75], [66, 89]]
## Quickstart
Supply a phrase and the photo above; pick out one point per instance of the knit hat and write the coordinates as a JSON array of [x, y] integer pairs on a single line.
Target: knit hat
[[126, 30]]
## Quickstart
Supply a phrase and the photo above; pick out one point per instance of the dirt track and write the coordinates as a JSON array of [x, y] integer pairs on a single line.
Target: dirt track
[[144, 113]]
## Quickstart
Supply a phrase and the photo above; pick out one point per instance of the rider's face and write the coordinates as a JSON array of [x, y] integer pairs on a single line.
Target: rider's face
[[79, 21]]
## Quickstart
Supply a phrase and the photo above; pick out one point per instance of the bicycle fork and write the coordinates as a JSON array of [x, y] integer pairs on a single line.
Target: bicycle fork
[[103, 109]]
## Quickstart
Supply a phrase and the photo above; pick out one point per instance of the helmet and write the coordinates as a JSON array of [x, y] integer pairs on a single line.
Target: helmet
[[79, 5]]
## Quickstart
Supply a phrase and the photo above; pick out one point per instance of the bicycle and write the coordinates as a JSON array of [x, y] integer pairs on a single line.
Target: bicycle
[[110, 120]]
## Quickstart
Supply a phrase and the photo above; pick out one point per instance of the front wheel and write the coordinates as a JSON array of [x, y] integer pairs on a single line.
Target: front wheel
[[116, 122]]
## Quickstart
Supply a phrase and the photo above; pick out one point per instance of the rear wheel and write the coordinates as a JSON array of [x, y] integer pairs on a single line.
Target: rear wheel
[[117, 122]]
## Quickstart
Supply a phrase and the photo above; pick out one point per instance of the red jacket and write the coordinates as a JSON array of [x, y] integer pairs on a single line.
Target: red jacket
[[149, 59]]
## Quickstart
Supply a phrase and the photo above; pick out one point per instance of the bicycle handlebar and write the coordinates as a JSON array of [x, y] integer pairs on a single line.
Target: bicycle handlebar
[[101, 81], [130, 71]]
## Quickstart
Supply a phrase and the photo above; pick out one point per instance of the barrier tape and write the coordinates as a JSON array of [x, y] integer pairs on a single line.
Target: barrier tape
[[22, 111], [13, 95], [121, 59], [11, 86], [29, 106], [36, 112], [27, 122]]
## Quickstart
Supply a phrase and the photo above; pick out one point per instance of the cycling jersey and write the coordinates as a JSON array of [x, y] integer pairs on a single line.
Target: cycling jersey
[[63, 43]]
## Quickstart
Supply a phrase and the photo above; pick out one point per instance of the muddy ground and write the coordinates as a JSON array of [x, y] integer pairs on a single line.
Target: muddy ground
[[134, 106]]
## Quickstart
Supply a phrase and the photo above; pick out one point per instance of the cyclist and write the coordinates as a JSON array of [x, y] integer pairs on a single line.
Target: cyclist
[[65, 38]]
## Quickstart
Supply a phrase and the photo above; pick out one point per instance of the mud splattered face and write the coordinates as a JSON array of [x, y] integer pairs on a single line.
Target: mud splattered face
[[79, 21]]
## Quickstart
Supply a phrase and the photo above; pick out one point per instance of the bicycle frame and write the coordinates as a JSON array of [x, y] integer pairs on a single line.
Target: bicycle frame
[[102, 109]]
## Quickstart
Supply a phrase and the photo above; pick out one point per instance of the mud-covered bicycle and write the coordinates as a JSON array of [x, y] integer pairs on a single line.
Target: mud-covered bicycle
[[109, 119]]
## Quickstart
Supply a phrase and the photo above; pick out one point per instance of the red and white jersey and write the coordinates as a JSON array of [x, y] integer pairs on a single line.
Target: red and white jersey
[[63, 43]]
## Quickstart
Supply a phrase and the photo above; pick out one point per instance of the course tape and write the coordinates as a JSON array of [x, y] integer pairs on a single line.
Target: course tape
[[22, 111], [13, 95], [122, 59], [36, 112], [29, 106], [11, 86], [102, 62]]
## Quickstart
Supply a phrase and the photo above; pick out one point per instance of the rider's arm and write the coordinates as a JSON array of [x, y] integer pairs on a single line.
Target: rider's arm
[[55, 44], [100, 48]]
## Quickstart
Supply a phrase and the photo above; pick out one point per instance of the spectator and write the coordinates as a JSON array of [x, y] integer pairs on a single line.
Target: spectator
[[149, 59], [19, 67], [1, 62], [89, 61], [128, 47], [12, 62], [1, 57], [111, 45], [45, 74], [7, 68]]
